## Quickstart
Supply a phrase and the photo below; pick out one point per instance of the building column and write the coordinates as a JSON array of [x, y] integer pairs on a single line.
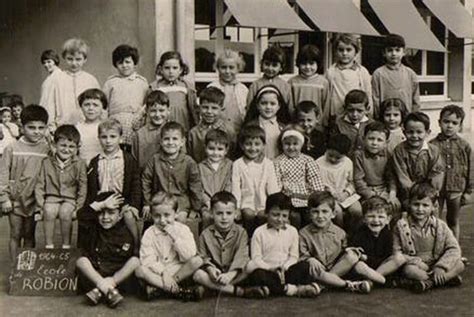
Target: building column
[[175, 30]]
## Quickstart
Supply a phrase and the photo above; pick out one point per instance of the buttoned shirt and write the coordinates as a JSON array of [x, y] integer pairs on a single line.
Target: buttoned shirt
[[111, 172], [145, 144], [227, 252], [250, 189], [456, 153], [275, 246], [215, 180], [62, 180], [197, 135], [355, 132], [412, 166], [179, 177], [299, 177], [110, 249], [159, 251], [125, 94], [323, 244], [341, 81]]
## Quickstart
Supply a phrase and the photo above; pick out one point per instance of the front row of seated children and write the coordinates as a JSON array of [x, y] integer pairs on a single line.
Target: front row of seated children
[[421, 251]]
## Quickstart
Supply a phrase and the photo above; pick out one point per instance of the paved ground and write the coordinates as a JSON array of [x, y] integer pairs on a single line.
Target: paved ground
[[381, 302]]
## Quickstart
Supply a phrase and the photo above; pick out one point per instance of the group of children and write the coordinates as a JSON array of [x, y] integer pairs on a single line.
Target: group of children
[[307, 154]]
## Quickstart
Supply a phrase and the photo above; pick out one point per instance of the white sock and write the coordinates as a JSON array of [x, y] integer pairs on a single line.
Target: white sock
[[49, 246], [66, 246], [291, 290]]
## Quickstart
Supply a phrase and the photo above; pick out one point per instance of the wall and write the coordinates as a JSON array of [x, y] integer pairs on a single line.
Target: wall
[[30, 26]]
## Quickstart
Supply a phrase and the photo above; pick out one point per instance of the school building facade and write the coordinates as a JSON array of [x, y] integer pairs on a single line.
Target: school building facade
[[439, 36]]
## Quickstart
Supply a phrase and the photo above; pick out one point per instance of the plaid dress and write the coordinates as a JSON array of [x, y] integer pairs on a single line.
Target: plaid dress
[[299, 177]]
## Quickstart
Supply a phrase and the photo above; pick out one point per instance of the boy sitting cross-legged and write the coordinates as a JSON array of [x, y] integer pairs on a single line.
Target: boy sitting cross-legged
[[433, 253], [375, 240], [108, 260], [274, 266], [224, 248], [168, 252], [323, 245]]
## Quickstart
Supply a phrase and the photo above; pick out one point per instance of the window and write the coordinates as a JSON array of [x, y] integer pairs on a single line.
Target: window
[[431, 67], [216, 30]]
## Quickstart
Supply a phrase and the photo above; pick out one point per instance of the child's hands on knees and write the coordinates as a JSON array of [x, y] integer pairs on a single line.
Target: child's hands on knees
[[315, 267], [169, 283], [106, 284], [439, 276], [226, 278], [213, 273], [7, 206]]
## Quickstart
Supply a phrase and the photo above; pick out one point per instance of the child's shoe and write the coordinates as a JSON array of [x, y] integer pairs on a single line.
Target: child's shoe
[[94, 296], [194, 294], [255, 292], [455, 281], [363, 287], [422, 286], [152, 292], [310, 290], [114, 298]]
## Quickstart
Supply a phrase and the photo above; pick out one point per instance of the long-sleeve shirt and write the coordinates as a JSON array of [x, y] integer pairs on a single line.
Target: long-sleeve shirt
[[125, 94], [355, 132], [341, 81], [280, 84], [67, 180], [372, 171], [59, 97], [411, 166], [299, 177], [275, 247], [215, 180], [179, 177], [444, 249], [145, 144], [313, 89], [19, 170], [235, 102], [395, 82], [160, 252], [197, 135], [182, 98], [252, 182], [323, 244], [227, 253], [456, 153]]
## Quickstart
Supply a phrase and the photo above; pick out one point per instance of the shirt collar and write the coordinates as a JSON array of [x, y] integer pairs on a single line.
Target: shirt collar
[[218, 234], [443, 137], [151, 127], [430, 222], [364, 119], [353, 66], [258, 160], [117, 155], [232, 83], [270, 227], [328, 229], [394, 67], [382, 153], [271, 121], [218, 125]]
